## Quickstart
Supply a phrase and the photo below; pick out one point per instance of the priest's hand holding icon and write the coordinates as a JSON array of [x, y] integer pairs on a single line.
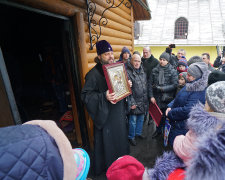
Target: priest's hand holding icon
[[110, 97]]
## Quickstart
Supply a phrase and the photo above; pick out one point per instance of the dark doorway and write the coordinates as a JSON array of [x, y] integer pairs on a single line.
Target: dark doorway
[[33, 50]]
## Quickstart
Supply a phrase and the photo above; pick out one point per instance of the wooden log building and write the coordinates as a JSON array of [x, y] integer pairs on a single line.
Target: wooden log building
[[47, 42]]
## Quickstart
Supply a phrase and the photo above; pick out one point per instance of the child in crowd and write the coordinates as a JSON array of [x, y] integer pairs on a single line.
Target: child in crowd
[[182, 79], [126, 168], [182, 65]]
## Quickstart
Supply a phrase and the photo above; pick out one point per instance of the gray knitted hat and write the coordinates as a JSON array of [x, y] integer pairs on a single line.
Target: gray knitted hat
[[165, 56], [194, 59], [215, 96], [196, 69]]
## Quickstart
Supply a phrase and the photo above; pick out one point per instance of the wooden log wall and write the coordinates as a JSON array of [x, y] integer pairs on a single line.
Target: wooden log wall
[[118, 31]]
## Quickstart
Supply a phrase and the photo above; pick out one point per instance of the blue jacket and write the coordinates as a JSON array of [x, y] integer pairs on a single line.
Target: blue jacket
[[28, 152], [191, 94], [182, 104]]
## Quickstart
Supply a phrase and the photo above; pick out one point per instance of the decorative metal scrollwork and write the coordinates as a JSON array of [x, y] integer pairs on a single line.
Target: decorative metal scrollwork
[[91, 8]]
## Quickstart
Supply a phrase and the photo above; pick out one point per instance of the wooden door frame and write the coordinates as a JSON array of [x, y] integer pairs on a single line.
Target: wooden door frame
[[73, 79], [8, 91]]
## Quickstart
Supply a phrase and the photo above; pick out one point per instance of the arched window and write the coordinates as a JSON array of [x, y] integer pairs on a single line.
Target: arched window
[[181, 28]]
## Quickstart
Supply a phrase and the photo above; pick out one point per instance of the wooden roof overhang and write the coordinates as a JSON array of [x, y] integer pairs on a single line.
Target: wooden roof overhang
[[66, 8], [141, 10]]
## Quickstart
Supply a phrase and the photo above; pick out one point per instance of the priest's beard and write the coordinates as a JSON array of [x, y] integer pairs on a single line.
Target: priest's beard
[[107, 61]]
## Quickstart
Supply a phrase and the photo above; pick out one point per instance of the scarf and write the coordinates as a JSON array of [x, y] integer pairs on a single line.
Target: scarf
[[161, 74]]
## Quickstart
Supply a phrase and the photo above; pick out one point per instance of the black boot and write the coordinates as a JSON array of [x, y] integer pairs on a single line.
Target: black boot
[[141, 136], [133, 142]]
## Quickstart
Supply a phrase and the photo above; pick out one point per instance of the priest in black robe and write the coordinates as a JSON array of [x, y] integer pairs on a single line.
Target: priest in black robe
[[110, 129]]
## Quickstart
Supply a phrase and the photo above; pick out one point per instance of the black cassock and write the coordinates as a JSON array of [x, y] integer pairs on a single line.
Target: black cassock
[[110, 130]]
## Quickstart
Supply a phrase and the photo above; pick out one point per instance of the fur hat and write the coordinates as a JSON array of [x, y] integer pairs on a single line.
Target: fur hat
[[209, 160], [183, 61], [184, 75], [103, 46], [165, 56], [215, 76], [126, 167], [215, 96], [196, 69], [124, 50], [200, 121], [164, 165]]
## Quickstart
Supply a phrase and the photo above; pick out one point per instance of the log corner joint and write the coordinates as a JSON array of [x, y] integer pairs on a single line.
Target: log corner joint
[[91, 7]]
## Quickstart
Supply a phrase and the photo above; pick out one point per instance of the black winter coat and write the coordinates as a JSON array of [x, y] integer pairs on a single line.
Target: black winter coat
[[174, 61], [139, 95], [217, 62], [149, 64], [163, 94]]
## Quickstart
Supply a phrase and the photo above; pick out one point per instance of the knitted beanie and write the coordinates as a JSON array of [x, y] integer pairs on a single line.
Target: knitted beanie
[[125, 50], [194, 59], [184, 75], [183, 61], [103, 46], [126, 167], [196, 69], [216, 76], [165, 56], [215, 96]]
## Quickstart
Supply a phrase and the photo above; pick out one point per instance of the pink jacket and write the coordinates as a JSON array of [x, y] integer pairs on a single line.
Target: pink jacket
[[183, 146]]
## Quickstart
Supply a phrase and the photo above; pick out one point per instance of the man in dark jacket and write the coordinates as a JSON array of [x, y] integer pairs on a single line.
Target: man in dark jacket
[[138, 99], [162, 85], [110, 132], [174, 59], [206, 59], [148, 60]]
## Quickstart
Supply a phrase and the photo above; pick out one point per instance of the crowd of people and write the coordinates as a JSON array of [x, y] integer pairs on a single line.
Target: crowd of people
[[179, 87], [189, 93]]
